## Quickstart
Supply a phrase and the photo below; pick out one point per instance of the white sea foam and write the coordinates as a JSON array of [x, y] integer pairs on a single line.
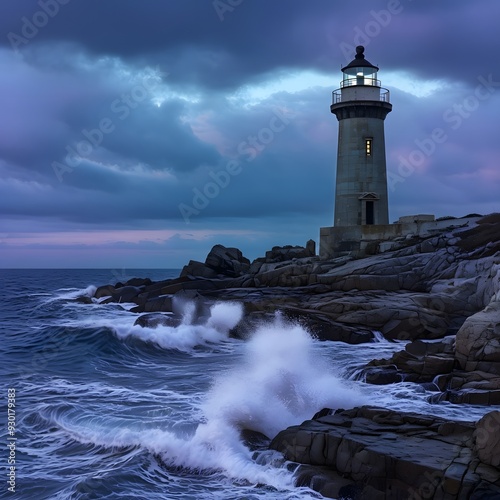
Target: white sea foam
[[379, 337], [223, 317], [279, 382], [71, 294], [184, 337], [210, 450]]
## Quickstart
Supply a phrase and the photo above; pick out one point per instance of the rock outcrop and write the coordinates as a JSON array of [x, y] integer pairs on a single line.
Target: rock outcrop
[[441, 292], [436, 367], [387, 455], [430, 288], [288, 252], [478, 340], [220, 262]]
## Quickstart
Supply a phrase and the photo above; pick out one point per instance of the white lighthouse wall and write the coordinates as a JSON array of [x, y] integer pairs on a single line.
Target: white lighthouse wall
[[360, 93], [358, 174]]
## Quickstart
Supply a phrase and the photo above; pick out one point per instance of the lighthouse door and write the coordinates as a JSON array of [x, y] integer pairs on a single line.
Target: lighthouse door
[[368, 201], [370, 212]]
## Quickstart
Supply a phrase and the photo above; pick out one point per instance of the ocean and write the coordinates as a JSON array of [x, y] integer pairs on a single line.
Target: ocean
[[94, 407]]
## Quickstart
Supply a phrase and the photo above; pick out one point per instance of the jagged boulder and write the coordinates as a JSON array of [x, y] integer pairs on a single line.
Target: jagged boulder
[[289, 252], [139, 282], [420, 362], [154, 320], [126, 293], [198, 269], [227, 261], [487, 439], [478, 341], [220, 262], [104, 291]]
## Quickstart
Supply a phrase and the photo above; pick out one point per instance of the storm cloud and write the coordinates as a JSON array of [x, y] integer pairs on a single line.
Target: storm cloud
[[139, 134]]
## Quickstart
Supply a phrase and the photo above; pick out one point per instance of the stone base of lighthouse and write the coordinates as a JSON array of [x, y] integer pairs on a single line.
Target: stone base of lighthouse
[[362, 240]]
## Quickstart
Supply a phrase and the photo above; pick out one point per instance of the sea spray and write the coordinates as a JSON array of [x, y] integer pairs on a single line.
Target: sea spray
[[193, 331], [90, 384], [280, 382]]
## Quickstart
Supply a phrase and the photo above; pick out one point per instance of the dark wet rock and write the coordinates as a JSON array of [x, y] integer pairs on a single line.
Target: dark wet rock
[[423, 291], [126, 294], [154, 320], [383, 375], [139, 282], [483, 239], [322, 413], [468, 396], [221, 261], [420, 362], [389, 454], [83, 299], [478, 340], [104, 291], [433, 365], [487, 439], [289, 252], [476, 380], [199, 269], [255, 440], [157, 304], [420, 348], [323, 327], [227, 261], [328, 483]]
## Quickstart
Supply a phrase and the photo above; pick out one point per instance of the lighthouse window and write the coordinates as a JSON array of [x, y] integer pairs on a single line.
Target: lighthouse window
[[368, 146]]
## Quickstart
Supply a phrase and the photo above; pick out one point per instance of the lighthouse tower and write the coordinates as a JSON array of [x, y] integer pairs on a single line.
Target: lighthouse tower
[[361, 220], [361, 105]]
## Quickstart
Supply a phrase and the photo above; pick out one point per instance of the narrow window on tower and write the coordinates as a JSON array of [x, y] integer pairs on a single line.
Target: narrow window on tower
[[368, 146]]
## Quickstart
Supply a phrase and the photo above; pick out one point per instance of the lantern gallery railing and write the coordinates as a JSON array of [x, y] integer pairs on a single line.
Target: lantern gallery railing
[[384, 96]]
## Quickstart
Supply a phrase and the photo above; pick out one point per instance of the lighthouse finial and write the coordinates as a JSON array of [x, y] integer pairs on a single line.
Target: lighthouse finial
[[360, 52]]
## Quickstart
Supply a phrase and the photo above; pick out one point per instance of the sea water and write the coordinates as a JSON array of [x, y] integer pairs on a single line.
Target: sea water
[[108, 409]]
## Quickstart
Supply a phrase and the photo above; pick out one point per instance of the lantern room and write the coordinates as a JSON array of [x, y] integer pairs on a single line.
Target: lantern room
[[360, 71]]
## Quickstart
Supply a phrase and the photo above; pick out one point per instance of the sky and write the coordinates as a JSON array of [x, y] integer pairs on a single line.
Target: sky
[[140, 133]]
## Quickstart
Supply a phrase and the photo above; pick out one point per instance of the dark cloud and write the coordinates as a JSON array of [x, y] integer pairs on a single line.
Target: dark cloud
[[438, 39], [122, 115]]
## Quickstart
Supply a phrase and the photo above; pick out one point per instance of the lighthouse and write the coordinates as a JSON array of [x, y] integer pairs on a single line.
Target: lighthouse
[[361, 218], [361, 105]]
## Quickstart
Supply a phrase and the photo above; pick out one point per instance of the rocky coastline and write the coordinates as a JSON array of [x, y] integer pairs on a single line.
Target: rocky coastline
[[439, 292], [377, 454]]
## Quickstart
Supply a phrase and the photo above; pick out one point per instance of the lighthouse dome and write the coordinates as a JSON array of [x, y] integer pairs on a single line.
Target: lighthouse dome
[[359, 63]]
